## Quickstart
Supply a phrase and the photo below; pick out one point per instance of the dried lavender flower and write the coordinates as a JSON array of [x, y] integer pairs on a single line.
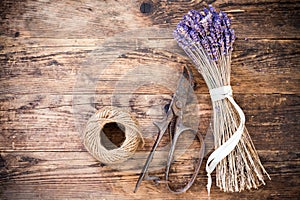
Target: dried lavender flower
[[210, 28], [207, 38]]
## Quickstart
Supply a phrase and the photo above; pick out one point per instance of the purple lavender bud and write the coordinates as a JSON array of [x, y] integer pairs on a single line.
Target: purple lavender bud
[[187, 20], [212, 32], [210, 40], [232, 34], [214, 47], [197, 28], [227, 40], [194, 36], [222, 15], [208, 28], [226, 20], [206, 11], [217, 20], [206, 46], [182, 28], [215, 55], [218, 29], [211, 8], [204, 23], [192, 13], [198, 17]]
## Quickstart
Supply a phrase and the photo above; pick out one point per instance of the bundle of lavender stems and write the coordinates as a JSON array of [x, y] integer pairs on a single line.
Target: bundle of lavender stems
[[207, 39]]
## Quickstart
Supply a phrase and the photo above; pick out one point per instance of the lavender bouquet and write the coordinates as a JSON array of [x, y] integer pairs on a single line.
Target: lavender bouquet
[[207, 39]]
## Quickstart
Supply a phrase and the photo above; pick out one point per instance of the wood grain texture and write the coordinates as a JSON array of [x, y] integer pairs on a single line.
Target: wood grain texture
[[61, 57]]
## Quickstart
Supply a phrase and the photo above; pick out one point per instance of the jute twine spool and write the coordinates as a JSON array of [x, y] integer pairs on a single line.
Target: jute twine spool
[[92, 135]]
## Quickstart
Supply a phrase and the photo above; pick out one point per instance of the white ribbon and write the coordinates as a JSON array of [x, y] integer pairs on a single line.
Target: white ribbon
[[225, 149], [220, 93]]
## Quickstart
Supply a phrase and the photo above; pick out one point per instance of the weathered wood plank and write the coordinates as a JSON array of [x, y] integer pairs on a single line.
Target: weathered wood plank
[[62, 171], [261, 67], [57, 19], [30, 122]]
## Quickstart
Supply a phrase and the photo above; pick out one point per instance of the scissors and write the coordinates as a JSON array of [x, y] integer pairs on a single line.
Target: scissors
[[173, 115]]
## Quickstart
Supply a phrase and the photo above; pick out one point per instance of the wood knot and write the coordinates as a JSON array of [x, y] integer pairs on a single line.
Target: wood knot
[[146, 7], [17, 34]]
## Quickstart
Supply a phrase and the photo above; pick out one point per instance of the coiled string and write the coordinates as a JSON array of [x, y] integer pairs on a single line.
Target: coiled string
[[94, 127]]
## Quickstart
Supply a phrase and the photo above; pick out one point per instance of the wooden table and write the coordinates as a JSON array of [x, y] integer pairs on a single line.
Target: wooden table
[[46, 46]]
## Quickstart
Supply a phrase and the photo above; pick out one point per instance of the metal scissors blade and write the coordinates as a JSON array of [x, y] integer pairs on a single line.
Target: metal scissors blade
[[162, 126], [181, 96], [178, 102]]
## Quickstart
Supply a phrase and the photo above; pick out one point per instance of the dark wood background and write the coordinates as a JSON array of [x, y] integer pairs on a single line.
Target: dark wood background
[[43, 45]]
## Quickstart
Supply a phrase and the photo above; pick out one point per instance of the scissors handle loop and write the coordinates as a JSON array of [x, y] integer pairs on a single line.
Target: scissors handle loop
[[171, 159]]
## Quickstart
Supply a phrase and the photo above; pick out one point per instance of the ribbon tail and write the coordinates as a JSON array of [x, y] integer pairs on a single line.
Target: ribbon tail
[[209, 182], [225, 149]]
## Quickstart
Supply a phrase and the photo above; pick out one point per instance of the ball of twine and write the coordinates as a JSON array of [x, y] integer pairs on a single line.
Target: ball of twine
[[94, 127]]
